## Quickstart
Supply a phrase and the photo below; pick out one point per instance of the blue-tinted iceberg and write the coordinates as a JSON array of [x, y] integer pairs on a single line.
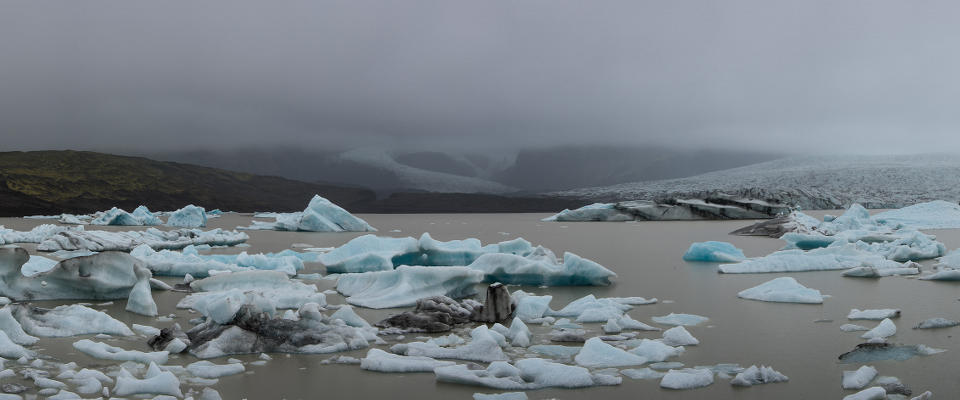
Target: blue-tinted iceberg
[[713, 252], [823, 259], [190, 216], [931, 215], [783, 290], [592, 212], [542, 269], [403, 286], [189, 261], [321, 215], [141, 216]]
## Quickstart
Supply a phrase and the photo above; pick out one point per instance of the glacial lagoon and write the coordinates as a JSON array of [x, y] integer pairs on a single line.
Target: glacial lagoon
[[802, 341]]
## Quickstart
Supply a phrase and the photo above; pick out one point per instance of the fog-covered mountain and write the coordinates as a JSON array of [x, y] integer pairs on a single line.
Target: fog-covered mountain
[[470, 170], [812, 182]]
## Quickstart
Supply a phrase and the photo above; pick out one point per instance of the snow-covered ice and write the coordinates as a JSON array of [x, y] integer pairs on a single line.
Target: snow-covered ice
[[597, 354], [485, 345], [874, 393], [154, 382], [67, 320], [95, 240], [108, 352], [209, 370]]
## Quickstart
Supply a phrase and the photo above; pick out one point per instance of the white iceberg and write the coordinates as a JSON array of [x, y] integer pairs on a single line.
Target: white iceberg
[[542, 269], [155, 382], [885, 329], [757, 376], [874, 393], [189, 261], [678, 336], [68, 320], [877, 314], [381, 361], [680, 319], [784, 290], [597, 354], [79, 239], [108, 352], [190, 216], [484, 345], [221, 296], [932, 323], [860, 378], [525, 374], [403, 286], [937, 214], [209, 370], [657, 351], [687, 379]]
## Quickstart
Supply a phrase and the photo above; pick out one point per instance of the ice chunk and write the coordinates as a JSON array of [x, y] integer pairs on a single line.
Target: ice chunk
[[860, 378], [713, 252], [657, 351], [555, 351], [9, 349], [687, 378], [873, 272], [483, 346], [528, 307], [931, 323], [141, 216], [190, 216], [853, 328], [156, 382], [372, 253], [519, 334], [681, 319], [526, 374], [943, 275], [757, 376], [209, 370], [103, 276], [321, 215], [141, 299], [824, 259], [886, 328], [642, 373], [381, 361], [591, 309], [937, 214], [542, 271], [71, 320], [107, 352], [597, 354], [874, 393], [678, 336], [12, 328], [222, 295], [501, 396], [126, 241], [592, 212], [784, 290], [870, 352], [403, 286], [876, 315], [350, 317], [188, 262]]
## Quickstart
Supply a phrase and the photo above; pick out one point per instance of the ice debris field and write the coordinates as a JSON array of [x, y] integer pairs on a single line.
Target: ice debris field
[[461, 322]]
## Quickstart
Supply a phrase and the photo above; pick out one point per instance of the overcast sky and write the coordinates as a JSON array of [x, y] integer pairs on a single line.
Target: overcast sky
[[847, 76]]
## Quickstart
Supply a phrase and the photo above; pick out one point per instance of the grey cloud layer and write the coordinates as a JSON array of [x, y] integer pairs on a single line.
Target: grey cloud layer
[[758, 74]]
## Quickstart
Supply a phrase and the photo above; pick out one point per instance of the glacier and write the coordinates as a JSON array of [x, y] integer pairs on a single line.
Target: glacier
[[321, 215]]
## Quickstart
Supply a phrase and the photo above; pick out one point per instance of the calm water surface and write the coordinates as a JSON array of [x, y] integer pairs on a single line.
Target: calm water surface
[[647, 258]]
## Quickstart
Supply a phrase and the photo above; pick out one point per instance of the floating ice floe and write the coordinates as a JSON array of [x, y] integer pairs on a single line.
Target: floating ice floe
[[823, 259], [221, 296], [860, 378], [874, 393], [784, 290], [853, 328], [525, 374], [642, 373], [656, 351], [680, 319], [189, 261], [871, 352], [381, 361], [321, 215], [713, 252], [190, 216], [209, 370], [67, 320], [141, 216], [541, 268], [592, 212], [80, 239], [885, 329], [254, 332], [70, 219], [678, 336], [934, 323], [758, 376], [689, 378], [485, 345], [103, 276], [108, 352], [937, 214], [597, 354], [154, 382], [38, 234], [9, 349], [501, 396], [403, 286], [876, 314]]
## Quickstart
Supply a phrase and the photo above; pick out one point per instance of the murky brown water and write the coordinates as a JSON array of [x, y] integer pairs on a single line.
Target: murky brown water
[[647, 258]]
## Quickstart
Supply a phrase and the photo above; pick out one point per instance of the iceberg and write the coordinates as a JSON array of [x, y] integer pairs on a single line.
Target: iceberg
[[681, 319], [757, 376], [118, 217], [641, 373], [79, 239], [542, 269], [254, 332], [528, 307], [209, 370], [190, 216], [36, 235], [525, 374], [518, 334], [783, 290], [485, 346], [107, 352], [932, 323], [221, 296], [591, 212], [656, 351], [678, 336], [823, 259], [591, 309], [381, 361], [10, 326], [154, 382], [937, 214], [501, 396], [321, 215], [403, 286], [189, 261], [885, 329], [9, 349], [874, 393], [687, 379], [67, 320], [713, 252], [860, 378], [597, 354], [876, 315], [432, 314], [871, 352]]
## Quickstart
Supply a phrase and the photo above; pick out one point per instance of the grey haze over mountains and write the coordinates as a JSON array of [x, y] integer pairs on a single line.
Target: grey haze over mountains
[[526, 171], [423, 75]]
